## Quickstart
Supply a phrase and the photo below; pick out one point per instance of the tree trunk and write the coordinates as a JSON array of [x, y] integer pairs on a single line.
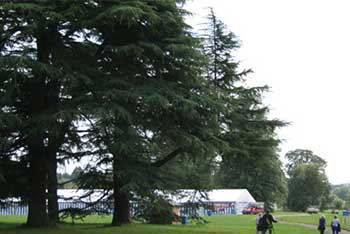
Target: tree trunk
[[52, 189], [121, 210], [37, 214]]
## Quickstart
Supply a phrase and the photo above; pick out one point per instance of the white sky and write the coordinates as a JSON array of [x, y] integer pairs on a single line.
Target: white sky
[[301, 49]]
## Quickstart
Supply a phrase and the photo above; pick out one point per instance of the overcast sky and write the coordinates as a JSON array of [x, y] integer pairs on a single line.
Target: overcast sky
[[301, 49]]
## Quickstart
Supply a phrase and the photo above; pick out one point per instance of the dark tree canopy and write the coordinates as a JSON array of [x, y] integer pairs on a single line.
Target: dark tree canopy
[[127, 85], [130, 71], [44, 72]]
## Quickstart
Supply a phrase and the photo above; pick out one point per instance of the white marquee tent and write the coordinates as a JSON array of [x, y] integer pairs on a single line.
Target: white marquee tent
[[220, 198]]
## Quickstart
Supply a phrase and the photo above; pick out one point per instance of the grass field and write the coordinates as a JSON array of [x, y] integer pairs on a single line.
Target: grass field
[[313, 219], [100, 225]]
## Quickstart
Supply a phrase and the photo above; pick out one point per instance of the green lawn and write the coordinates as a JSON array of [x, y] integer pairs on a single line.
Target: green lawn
[[99, 225], [313, 219]]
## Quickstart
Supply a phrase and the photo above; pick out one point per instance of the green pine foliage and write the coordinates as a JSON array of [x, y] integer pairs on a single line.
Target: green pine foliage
[[251, 161], [45, 75], [153, 104], [126, 84]]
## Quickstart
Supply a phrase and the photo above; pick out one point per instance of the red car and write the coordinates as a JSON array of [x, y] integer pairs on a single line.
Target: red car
[[253, 210]]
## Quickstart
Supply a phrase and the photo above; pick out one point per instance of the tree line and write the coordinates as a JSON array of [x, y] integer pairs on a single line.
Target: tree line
[[128, 86]]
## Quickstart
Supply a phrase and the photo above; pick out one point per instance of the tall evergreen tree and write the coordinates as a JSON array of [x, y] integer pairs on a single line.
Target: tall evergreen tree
[[252, 160], [154, 105], [44, 70], [122, 81], [128, 67]]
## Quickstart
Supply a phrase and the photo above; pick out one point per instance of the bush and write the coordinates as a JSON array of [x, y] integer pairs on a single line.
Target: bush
[[158, 211]]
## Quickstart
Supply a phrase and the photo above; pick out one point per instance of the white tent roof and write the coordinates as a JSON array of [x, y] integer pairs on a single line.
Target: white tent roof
[[216, 195], [230, 195]]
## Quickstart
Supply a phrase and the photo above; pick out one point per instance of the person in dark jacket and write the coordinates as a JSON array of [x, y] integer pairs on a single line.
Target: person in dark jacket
[[322, 224], [267, 221]]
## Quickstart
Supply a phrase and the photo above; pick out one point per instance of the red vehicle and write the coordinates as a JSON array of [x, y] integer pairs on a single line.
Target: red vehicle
[[253, 210]]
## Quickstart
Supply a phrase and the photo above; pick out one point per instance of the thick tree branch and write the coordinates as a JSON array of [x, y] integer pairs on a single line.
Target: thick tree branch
[[169, 157], [78, 155]]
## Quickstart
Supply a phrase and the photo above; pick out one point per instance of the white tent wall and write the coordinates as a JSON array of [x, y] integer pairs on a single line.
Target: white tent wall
[[224, 201]]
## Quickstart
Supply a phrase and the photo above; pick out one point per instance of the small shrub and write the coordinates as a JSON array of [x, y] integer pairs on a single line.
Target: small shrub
[[158, 211]]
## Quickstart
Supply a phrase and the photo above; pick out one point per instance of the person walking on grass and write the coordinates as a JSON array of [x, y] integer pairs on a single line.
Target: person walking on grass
[[335, 225], [322, 224], [258, 222], [267, 221]]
